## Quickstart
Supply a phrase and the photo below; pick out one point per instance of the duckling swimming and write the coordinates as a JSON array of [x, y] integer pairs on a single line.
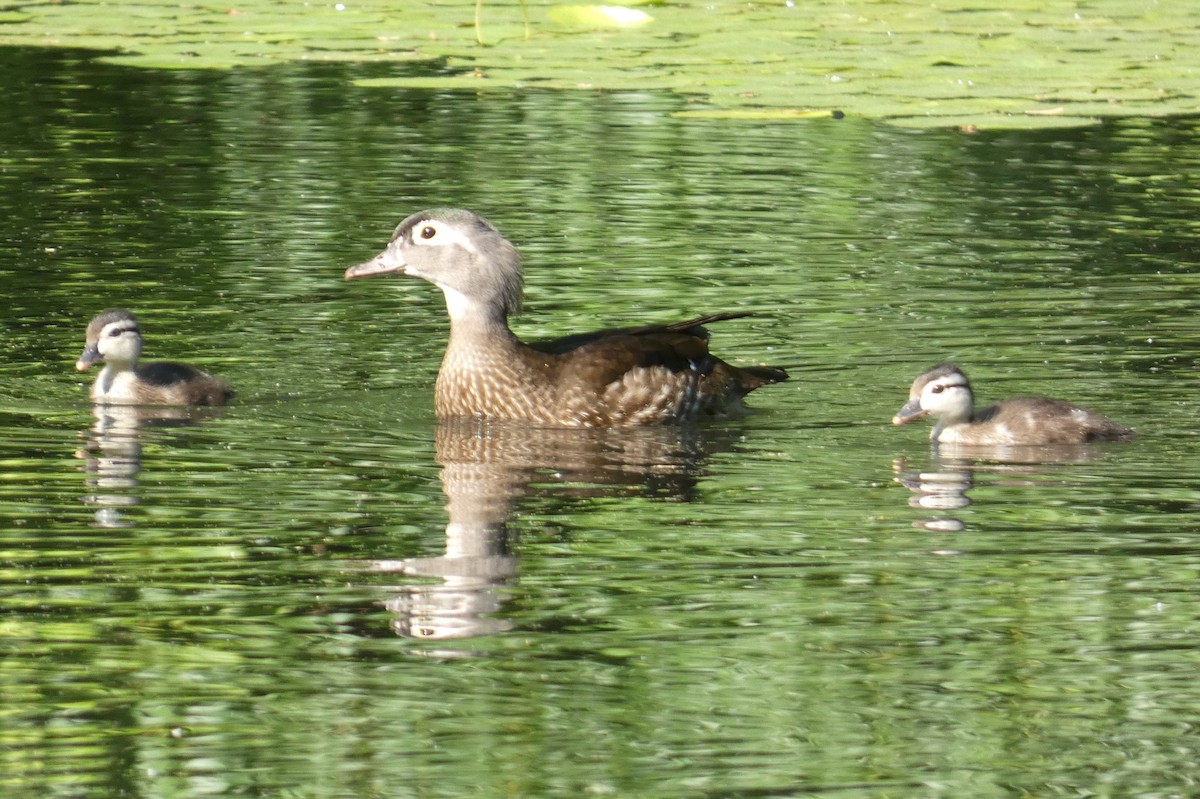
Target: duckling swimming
[[115, 338], [944, 393]]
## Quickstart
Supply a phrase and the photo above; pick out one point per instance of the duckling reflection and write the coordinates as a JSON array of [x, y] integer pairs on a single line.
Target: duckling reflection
[[112, 455], [953, 469], [943, 488], [489, 466]]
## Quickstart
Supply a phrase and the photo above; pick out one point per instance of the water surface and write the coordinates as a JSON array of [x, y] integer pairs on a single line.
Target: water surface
[[321, 592]]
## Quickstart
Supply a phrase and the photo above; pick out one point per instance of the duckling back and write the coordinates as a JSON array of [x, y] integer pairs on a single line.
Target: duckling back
[[1036, 420], [169, 383]]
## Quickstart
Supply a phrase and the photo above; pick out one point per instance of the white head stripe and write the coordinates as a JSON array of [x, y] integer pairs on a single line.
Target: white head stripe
[[445, 236]]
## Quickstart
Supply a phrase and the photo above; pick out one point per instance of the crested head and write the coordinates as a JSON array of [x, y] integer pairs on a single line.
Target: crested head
[[461, 253], [114, 336]]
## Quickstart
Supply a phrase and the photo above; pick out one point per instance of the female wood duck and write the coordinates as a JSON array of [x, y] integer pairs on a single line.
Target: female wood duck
[[945, 394], [631, 376], [114, 337]]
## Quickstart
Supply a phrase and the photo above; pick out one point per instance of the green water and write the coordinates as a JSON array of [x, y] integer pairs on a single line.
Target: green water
[[319, 592]]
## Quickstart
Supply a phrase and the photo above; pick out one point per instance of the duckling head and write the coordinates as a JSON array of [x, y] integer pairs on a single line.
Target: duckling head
[[943, 392], [114, 337]]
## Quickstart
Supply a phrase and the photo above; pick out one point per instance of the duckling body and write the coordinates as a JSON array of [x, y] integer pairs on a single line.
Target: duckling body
[[944, 393], [654, 374], [115, 338]]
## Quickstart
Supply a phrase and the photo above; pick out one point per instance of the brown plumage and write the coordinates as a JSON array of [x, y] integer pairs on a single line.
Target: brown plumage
[[652, 374], [115, 338], [944, 393]]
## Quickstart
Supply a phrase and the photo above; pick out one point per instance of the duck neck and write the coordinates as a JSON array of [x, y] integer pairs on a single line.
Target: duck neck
[[475, 325], [485, 366], [481, 346]]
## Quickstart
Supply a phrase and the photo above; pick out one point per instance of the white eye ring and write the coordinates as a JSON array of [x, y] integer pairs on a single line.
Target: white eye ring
[[437, 234]]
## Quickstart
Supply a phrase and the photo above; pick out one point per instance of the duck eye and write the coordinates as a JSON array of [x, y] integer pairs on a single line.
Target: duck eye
[[428, 232], [938, 389], [115, 333]]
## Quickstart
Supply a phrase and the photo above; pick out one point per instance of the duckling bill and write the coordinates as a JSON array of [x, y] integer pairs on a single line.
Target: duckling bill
[[944, 393], [115, 337], [653, 374]]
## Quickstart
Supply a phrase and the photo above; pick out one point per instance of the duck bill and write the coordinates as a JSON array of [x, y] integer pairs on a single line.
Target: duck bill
[[383, 264], [91, 354], [909, 413]]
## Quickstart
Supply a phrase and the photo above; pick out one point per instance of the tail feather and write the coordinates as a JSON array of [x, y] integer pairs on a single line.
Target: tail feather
[[755, 376]]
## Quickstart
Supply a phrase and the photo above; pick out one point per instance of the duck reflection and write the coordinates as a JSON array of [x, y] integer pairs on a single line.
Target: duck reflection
[[112, 454], [951, 474], [486, 467]]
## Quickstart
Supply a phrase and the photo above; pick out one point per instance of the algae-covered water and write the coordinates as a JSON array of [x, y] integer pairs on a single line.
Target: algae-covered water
[[1018, 64]]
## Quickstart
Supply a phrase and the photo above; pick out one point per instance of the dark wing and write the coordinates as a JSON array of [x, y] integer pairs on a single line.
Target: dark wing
[[690, 327], [166, 373], [603, 357], [185, 384]]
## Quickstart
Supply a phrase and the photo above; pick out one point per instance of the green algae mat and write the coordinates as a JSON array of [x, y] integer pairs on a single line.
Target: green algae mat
[[1000, 64]]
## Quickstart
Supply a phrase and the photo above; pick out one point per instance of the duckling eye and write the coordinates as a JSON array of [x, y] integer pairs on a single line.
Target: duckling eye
[[428, 232], [937, 389]]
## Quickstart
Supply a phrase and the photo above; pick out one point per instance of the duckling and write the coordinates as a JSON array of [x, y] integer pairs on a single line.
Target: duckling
[[114, 337], [944, 393], [654, 374]]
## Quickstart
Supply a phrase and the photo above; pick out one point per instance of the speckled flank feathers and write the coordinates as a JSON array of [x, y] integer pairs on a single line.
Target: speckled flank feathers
[[115, 337], [653, 374], [944, 393]]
